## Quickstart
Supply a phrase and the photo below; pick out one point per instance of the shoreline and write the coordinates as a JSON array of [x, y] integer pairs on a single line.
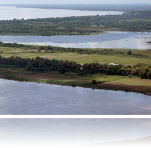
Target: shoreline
[[47, 79], [142, 142]]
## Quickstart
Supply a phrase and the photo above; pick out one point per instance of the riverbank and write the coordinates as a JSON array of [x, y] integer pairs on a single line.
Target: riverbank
[[109, 82], [144, 142]]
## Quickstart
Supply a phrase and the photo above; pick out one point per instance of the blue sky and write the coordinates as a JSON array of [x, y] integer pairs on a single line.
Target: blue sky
[[73, 1]]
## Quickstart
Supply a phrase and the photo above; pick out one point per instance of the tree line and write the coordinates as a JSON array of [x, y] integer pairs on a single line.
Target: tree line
[[83, 25], [52, 49], [40, 65]]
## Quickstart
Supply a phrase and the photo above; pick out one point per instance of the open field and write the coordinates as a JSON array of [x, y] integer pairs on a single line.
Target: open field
[[94, 58], [73, 79], [79, 58], [144, 52]]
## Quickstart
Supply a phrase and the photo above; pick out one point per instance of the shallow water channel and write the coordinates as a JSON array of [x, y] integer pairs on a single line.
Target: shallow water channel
[[110, 39]]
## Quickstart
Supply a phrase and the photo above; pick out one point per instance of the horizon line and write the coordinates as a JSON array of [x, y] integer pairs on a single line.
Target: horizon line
[[73, 3]]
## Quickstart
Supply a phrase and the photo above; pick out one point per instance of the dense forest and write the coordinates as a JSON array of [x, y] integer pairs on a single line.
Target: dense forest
[[41, 65], [84, 25]]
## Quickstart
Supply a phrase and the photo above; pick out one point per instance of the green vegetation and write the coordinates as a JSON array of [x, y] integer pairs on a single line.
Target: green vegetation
[[81, 56], [54, 76], [77, 66], [112, 82], [84, 25], [40, 65]]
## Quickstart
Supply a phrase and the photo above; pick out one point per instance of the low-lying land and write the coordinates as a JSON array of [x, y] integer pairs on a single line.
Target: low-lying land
[[112, 82], [79, 55], [144, 142], [32, 64], [84, 25]]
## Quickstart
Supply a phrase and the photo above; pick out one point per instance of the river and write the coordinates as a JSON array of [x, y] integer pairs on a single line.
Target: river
[[18, 98], [11, 12], [111, 39], [27, 98]]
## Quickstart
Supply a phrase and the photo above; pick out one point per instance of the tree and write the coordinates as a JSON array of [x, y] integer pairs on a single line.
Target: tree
[[149, 74], [61, 67], [129, 52], [94, 82]]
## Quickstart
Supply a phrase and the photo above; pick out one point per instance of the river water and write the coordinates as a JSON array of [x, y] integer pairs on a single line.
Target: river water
[[111, 39], [26, 98], [11, 12], [18, 98]]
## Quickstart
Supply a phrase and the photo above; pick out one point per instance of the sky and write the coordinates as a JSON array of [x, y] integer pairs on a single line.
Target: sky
[[73, 1]]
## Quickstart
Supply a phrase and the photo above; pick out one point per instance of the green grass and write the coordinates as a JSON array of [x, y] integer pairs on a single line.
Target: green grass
[[79, 58], [134, 81], [68, 77], [72, 79], [83, 58]]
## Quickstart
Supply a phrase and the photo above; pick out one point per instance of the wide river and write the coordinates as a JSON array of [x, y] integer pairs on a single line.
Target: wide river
[[11, 12], [112, 39], [26, 98]]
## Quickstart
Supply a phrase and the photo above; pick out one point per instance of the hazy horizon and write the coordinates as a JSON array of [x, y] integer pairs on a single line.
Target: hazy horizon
[[76, 2]]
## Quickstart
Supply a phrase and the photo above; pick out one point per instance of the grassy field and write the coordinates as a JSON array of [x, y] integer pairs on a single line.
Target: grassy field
[[79, 58], [134, 81], [72, 79]]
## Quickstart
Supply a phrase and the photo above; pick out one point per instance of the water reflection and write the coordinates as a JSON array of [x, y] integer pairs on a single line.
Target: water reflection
[[114, 39], [26, 98], [31, 98]]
